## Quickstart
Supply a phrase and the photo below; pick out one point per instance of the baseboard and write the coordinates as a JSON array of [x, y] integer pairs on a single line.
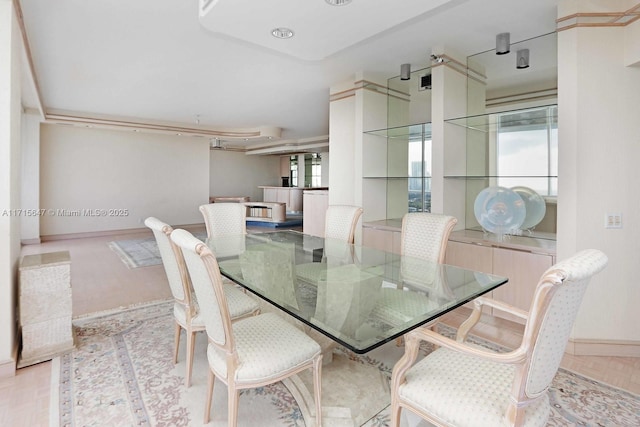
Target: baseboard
[[8, 367], [88, 234], [105, 233], [35, 241], [613, 348]]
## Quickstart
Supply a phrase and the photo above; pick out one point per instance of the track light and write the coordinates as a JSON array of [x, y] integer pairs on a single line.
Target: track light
[[405, 71], [503, 44], [522, 58], [437, 59]]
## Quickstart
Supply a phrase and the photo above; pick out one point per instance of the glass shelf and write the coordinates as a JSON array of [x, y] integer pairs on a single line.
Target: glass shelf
[[497, 149], [528, 117], [395, 162], [422, 130], [499, 176], [397, 177]]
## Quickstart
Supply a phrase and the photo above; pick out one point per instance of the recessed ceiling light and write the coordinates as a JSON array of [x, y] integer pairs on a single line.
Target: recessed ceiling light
[[282, 33], [338, 2]]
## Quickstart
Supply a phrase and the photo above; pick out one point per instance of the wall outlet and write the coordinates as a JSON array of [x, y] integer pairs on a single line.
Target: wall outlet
[[613, 220]]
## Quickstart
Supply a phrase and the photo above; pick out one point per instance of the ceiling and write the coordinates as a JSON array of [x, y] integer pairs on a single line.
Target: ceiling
[[160, 61]]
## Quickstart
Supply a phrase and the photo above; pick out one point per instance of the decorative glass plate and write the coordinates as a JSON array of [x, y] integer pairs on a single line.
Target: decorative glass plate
[[534, 205], [499, 210]]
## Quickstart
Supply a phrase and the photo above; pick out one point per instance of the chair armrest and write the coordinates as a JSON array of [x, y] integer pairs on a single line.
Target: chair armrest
[[502, 306], [426, 334], [412, 346], [478, 304]]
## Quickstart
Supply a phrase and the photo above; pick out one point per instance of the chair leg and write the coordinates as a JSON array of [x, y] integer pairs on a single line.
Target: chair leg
[[207, 407], [177, 342], [191, 342], [317, 388], [233, 406], [395, 413]]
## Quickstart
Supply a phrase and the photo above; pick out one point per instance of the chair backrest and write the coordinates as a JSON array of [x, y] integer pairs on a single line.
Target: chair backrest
[[553, 311], [207, 284], [341, 221], [425, 235], [174, 266], [223, 219], [271, 268]]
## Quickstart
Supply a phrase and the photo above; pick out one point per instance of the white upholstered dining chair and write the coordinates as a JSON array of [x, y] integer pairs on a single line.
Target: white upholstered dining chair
[[224, 219], [466, 385], [340, 222], [252, 352], [339, 230], [424, 237], [185, 310]]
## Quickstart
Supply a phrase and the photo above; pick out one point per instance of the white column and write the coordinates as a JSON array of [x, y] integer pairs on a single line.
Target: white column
[[598, 149], [10, 111], [342, 129], [448, 100], [355, 106]]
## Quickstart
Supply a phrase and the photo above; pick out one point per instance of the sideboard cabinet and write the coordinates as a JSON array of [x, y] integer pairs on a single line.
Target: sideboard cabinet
[[522, 260], [521, 263]]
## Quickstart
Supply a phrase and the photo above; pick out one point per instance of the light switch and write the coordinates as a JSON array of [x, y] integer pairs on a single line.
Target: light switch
[[613, 220]]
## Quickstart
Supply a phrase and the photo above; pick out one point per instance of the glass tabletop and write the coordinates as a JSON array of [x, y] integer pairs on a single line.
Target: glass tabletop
[[359, 296]]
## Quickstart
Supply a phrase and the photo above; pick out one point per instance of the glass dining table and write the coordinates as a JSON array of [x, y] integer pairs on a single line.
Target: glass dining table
[[359, 297]]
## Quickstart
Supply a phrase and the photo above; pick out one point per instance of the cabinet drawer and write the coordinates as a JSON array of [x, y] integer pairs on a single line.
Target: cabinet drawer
[[470, 256], [524, 270], [385, 240]]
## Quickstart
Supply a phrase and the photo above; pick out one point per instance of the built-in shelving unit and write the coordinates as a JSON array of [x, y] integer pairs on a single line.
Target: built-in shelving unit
[[396, 167], [509, 149], [265, 211]]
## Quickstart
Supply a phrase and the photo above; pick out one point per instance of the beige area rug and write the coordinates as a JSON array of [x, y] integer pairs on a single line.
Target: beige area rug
[[121, 374], [144, 252]]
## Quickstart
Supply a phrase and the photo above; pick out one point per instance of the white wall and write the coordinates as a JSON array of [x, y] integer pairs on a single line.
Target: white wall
[[599, 148], [129, 175], [10, 112], [30, 191], [632, 45], [237, 174]]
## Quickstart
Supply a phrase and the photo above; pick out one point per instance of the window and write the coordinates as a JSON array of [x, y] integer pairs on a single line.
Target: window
[[527, 150], [419, 180], [312, 170], [293, 170]]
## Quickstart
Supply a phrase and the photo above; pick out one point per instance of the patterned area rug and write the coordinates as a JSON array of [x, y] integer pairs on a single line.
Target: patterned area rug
[[140, 252], [121, 374]]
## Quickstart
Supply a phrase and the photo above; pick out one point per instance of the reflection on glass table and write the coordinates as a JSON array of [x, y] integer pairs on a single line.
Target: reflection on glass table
[[349, 301]]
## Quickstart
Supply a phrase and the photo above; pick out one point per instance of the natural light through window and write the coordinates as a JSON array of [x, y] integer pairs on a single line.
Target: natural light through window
[[527, 147], [419, 180]]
